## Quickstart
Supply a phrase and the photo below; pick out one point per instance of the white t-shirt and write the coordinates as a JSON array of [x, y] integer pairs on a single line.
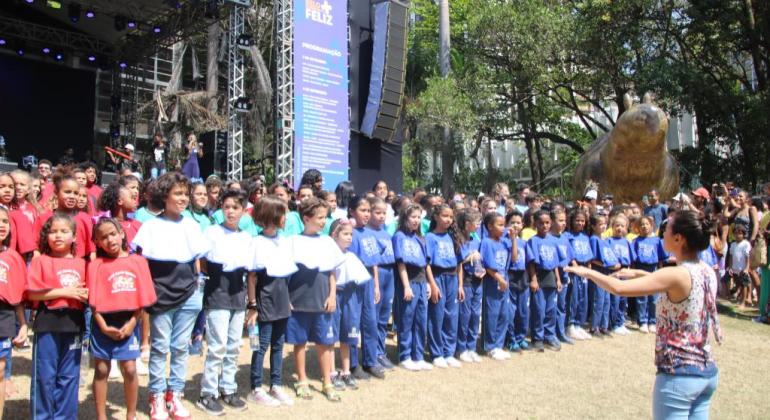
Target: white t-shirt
[[739, 255]]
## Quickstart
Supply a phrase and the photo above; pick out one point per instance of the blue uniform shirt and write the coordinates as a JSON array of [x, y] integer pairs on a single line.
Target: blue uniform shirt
[[465, 250], [709, 256], [365, 246], [495, 256], [565, 249], [581, 247], [603, 252], [544, 252], [521, 257], [385, 240], [648, 250], [622, 249], [409, 249], [440, 250]]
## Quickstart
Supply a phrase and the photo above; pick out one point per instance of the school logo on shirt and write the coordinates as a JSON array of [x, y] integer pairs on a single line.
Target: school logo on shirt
[[621, 251], [369, 246], [68, 278], [387, 247], [581, 247], [122, 281], [547, 253], [412, 249], [4, 268], [445, 251], [563, 249], [501, 257], [646, 251]]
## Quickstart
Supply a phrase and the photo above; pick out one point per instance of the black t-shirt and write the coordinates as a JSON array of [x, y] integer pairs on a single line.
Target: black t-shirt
[[309, 289], [272, 295], [415, 273], [7, 320], [114, 319], [174, 283], [546, 278], [518, 280], [224, 289], [59, 320]]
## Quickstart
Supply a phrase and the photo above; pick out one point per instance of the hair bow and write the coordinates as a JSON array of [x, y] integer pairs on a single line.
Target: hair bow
[[101, 215]]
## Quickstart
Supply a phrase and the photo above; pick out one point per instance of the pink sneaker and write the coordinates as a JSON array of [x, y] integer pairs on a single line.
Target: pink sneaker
[[158, 410], [176, 409]]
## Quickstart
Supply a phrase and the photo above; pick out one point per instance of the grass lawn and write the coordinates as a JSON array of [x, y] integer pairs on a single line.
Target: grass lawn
[[609, 378]]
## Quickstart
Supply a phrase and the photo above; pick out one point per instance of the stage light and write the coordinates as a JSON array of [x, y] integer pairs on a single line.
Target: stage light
[[90, 14], [73, 12], [244, 41], [2, 41], [20, 47], [243, 104], [120, 23], [91, 58], [46, 50], [123, 64], [156, 29], [29, 1], [58, 57], [53, 4], [131, 23]]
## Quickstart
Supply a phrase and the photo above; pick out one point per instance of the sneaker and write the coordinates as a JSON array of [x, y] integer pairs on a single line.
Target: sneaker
[[497, 354], [626, 331], [644, 329], [114, 369], [280, 396], [158, 410], [377, 371], [652, 329], [538, 346], [337, 381], [553, 344], [453, 363], [514, 347], [410, 365], [584, 333], [475, 356], [176, 409], [234, 402], [524, 345], [574, 333], [424, 365], [385, 362], [620, 331], [466, 357], [358, 373], [349, 381], [567, 340], [196, 348], [596, 334], [259, 396], [210, 405], [440, 363], [145, 356], [141, 368]]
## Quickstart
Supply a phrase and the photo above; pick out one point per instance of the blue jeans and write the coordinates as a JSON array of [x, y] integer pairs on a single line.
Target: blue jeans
[[601, 307], [618, 306], [412, 321], [682, 397], [470, 315], [544, 314], [55, 375], [442, 318], [368, 328], [272, 334], [519, 318], [578, 301], [561, 306], [385, 307], [225, 328], [155, 172], [495, 312], [170, 333]]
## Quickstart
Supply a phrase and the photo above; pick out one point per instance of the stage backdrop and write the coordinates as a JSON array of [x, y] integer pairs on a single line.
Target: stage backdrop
[[321, 122], [45, 108]]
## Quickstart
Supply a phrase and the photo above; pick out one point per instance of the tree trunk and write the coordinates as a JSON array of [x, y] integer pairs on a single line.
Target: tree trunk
[[447, 151], [212, 66]]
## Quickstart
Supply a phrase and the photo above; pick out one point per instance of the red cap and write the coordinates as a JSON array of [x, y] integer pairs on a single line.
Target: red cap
[[702, 192]]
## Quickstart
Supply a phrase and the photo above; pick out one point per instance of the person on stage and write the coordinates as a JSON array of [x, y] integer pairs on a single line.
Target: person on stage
[[191, 168], [687, 374]]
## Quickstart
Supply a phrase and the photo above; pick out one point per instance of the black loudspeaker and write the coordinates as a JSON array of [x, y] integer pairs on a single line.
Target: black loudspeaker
[[6, 166], [214, 160], [386, 85], [108, 178]]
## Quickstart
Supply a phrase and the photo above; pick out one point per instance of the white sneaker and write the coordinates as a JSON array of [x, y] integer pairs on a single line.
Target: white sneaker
[[466, 357], [423, 365], [114, 369], [584, 333], [410, 365], [141, 368], [626, 330], [619, 331], [644, 329], [280, 396], [497, 354], [440, 363], [652, 329], [475, 356], [452, 362], [573, 333]]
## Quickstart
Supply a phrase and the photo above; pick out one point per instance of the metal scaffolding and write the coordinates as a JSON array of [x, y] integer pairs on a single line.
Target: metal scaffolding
[[284, 89], [235, 90]]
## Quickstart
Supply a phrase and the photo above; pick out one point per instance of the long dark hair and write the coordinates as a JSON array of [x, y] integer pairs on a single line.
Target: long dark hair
[[7, 241], [403, 218], [43, 246], [462, 219], [695, 229]]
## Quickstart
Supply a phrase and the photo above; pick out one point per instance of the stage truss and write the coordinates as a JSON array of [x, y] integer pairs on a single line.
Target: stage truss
[[235, 90], [284, 90]]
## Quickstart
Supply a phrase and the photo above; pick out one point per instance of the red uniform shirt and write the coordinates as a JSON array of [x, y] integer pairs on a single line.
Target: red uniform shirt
[[83, 230], [23, 229], [13, 277], [46, 273], [46, 192], [120, 284], [130, 227]]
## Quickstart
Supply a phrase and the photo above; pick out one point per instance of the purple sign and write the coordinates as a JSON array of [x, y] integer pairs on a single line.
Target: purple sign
[[321, 120]]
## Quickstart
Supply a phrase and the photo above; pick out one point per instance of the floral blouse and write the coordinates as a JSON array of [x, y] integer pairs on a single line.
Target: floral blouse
[[682, 342]]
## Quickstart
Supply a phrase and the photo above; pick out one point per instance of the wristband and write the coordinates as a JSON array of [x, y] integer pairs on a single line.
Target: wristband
[[252, 305]]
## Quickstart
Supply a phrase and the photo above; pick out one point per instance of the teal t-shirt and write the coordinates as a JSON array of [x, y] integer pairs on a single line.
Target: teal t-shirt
[[203, 220], [424, 226], [293, 225], [246, 223], [142, 215]]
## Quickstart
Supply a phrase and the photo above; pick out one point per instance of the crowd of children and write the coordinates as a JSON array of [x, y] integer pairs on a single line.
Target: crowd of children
[[136, 273]]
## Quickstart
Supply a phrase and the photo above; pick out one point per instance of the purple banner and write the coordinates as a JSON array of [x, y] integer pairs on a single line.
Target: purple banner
[[321, 120]]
